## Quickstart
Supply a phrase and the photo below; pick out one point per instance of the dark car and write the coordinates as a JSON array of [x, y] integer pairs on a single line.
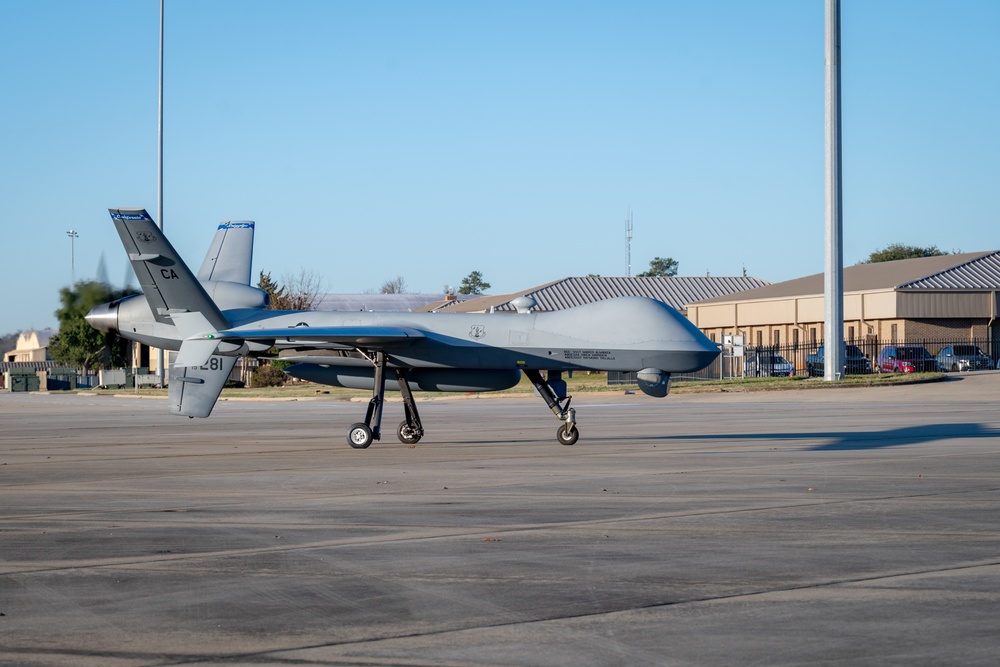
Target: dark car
[[855, 361], [963, 358], [905, 359]]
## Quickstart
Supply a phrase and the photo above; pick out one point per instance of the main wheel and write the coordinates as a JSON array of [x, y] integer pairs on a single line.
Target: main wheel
[[360, 436], [407, 434], [567, 436]]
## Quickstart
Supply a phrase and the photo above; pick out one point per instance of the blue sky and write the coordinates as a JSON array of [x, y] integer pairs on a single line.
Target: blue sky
[[430, 139]]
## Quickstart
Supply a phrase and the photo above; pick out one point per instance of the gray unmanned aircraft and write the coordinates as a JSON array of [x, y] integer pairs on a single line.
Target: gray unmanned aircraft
[[214, 317]]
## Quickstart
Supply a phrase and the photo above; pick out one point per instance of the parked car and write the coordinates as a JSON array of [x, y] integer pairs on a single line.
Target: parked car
[[963, 358], [763, 364], [855, 362], [905, 359]]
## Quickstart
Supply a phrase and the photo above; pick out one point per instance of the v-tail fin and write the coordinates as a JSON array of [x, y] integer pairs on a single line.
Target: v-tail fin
[[194, 390], [165, 279], [230, 256]]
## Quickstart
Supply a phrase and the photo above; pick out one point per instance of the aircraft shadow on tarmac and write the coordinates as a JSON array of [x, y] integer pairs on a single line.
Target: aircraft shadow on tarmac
[[863, 440], [898, 437]]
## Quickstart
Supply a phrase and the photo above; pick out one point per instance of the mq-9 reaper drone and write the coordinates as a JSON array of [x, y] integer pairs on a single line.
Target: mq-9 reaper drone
[[215, 316]]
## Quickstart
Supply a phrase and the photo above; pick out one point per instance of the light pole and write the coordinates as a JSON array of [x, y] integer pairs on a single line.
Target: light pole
[[833, 283], [72, 259], [160, 377]]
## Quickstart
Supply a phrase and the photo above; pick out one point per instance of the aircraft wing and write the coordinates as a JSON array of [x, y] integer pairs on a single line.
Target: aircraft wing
[[201, 340], [365, 337]]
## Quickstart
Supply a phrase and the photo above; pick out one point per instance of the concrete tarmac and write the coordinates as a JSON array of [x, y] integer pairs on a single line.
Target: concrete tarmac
[[836, 527]]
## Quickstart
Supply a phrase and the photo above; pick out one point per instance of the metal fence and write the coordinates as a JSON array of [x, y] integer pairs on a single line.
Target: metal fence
[[756, 360]]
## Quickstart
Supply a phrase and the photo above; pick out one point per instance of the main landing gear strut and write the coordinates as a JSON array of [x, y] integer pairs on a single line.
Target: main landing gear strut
[[553, 392], [410, 429]]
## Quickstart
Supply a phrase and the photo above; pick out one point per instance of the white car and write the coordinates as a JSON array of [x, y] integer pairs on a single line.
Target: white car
[[963, 358]]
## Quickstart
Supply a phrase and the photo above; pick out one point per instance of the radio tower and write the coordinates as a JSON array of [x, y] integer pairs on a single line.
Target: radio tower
[[628, 242]]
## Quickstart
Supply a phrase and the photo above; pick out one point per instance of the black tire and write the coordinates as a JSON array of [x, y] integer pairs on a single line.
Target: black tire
[[406, 434], [359, 436], [567, 437]]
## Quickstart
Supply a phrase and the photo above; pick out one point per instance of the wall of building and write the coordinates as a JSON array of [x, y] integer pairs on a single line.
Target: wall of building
[[952, 329], [884, 315], [927, 304]]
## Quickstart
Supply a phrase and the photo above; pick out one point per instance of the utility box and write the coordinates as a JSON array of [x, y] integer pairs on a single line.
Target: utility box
[[734, 343], [23, 379], [61, 379], [118, 378]]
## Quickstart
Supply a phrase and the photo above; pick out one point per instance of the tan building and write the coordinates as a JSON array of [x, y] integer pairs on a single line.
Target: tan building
[[949, 297], [31, 346], [30, 355]]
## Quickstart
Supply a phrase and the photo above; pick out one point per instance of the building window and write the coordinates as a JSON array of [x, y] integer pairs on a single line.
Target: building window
[[894, 332], [760, 339], [777, 338], [850, 334], [812, 335], [795, 337]]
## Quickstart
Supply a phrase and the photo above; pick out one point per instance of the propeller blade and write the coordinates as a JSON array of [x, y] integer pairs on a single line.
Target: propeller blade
[[130, 281], [102, 271]]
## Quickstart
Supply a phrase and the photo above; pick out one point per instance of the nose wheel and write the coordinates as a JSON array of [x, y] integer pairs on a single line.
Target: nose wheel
[[568, 435]]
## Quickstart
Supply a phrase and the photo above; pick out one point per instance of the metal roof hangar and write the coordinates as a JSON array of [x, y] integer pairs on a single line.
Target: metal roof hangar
[[568, 292]]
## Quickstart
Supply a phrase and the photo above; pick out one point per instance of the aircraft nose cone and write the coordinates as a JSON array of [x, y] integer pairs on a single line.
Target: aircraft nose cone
[[103, 317]]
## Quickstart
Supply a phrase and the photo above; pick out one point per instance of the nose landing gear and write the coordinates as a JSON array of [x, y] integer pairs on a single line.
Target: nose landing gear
[[553, 392]]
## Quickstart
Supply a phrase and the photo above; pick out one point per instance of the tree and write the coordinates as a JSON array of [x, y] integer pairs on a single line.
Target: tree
[[660, 267], [275, 292], [395, 286], [78, 344], [8, 342], [473, 284], [299, 292], [900, 251]]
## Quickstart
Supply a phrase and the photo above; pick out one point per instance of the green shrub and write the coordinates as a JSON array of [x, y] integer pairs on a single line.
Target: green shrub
[[268, 376]]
